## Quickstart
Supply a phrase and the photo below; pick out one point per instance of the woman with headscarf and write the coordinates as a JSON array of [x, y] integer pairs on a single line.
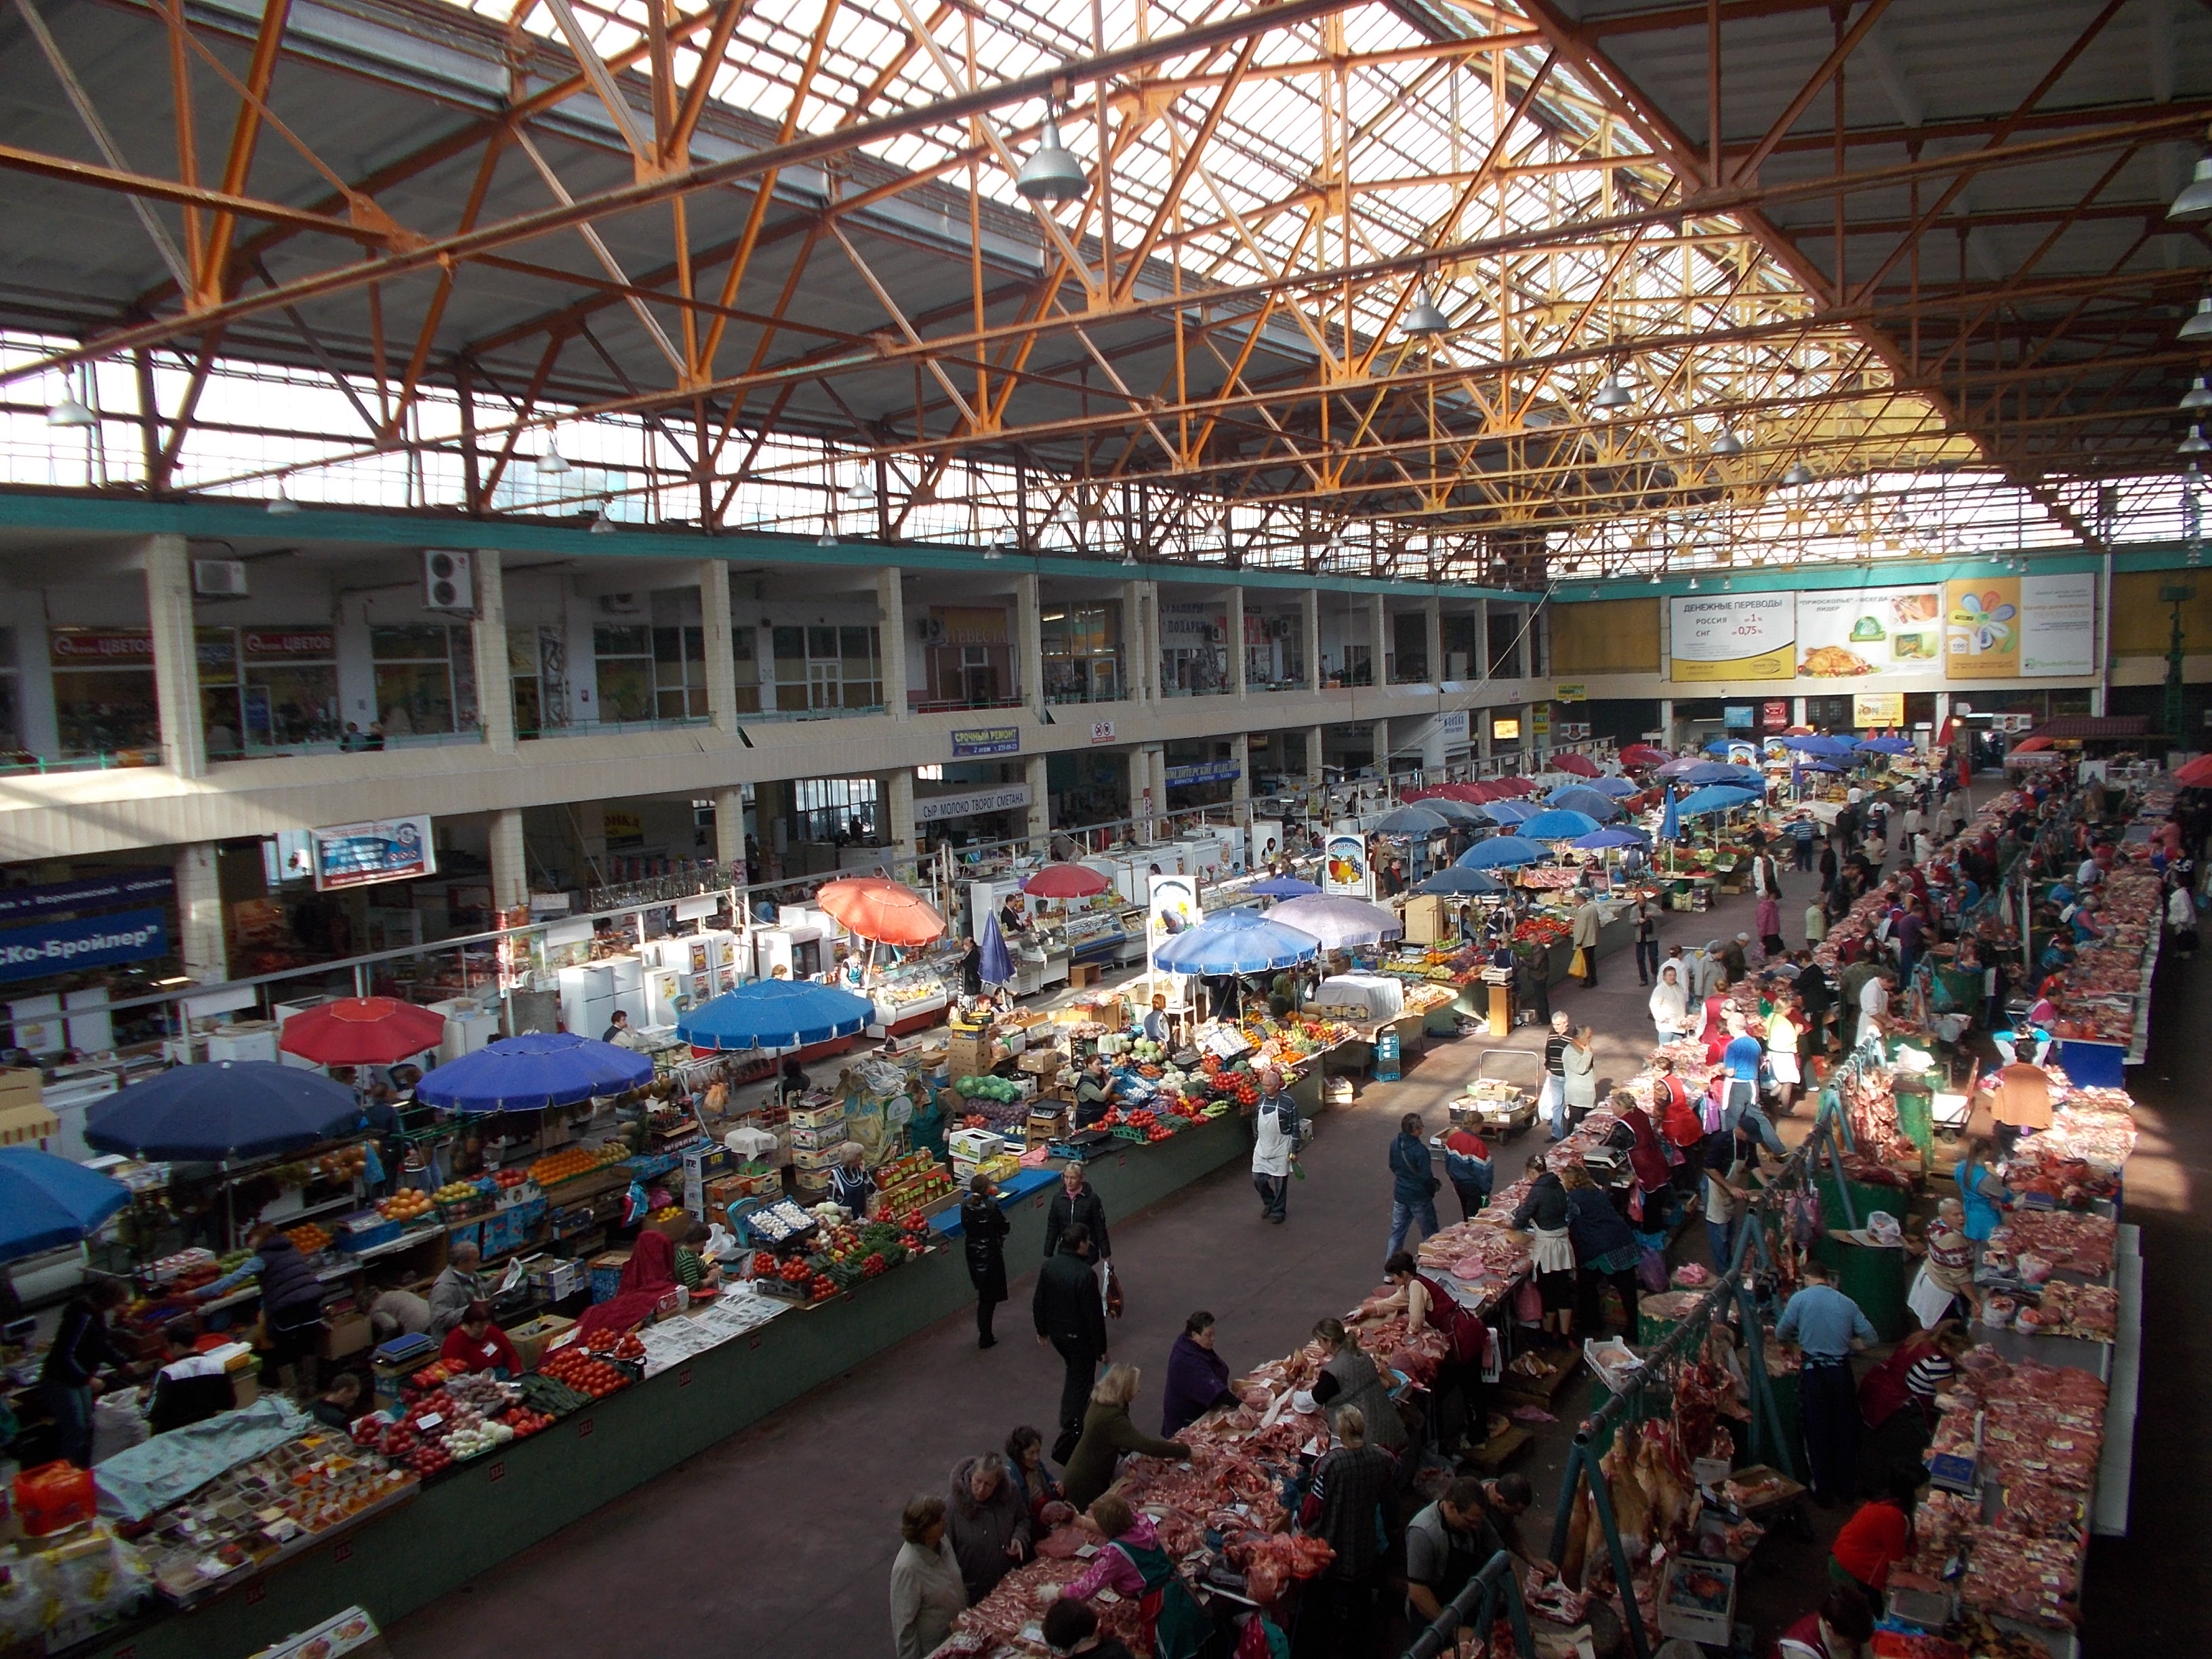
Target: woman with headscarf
[[648, 1275]]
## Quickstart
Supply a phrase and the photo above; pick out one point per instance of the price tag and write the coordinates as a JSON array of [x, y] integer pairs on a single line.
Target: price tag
[[424, 1424], [343, 1552], [1121, 1162], [497, 1471], [254, 1592], [684, 1377], [584, 1430]]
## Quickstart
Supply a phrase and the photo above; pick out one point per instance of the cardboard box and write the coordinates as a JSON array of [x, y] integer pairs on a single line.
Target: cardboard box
[[1697, 1601], [345, 1334], [969, 1056], [606, 1273], [827, 1116], [532, 1338], [20, 1085]]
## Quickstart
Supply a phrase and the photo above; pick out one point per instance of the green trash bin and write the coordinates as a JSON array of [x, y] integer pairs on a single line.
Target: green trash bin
[[1873, 1276], [1916, 1117], [1865, 1198]]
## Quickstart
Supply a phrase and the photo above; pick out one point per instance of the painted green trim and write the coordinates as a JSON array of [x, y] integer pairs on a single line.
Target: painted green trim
[[213, 518]]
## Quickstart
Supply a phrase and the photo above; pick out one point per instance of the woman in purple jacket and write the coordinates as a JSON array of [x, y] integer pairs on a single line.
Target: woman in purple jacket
[[1198, 1377]]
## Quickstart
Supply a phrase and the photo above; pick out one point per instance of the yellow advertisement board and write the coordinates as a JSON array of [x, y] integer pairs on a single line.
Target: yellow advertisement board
[[1871, 709], [1982, 629]]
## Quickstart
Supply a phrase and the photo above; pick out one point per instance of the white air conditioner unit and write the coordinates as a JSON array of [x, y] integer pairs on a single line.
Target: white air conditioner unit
[[1280, 628], [448, 584], [219, 579], [930, 630], [622, 605]]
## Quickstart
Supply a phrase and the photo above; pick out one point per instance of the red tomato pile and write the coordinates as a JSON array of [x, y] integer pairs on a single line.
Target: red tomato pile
[[430, 1457], [612, 1345], [583, 1373], [763, 1265], [817, 1286], [526, 1422]]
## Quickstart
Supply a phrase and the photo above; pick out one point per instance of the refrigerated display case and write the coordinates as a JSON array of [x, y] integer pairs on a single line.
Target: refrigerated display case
[[797, 950], [909, 997]]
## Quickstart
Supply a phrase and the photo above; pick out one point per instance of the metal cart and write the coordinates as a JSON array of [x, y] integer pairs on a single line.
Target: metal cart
[[1501, 1101]]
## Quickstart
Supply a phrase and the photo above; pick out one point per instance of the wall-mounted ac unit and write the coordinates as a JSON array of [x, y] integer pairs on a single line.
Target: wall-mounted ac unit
[[1281, 627], [622, 605], [219, 579], [930, 630], [448, 583]]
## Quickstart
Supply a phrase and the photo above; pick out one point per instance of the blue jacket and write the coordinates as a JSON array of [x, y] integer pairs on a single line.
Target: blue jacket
[[1411, 1174]]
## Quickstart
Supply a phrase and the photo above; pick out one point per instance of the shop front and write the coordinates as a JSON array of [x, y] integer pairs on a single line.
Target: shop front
[[1081, 648], [976, 815]]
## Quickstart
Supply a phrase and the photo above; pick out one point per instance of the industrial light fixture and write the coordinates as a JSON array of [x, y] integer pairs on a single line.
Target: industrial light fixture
[[861, 492], [603, 524], [1000, 546], [2198, 325], [1052, 173], [1694, 584], [2194, 201], [2194, 444], [1128, 555], [827, 537], [1425, 316], [1798, 476], [1655, 579], [2199, 395], [70, 411], [552, 463], [1612, 394], [1728, 444], [284, 506]]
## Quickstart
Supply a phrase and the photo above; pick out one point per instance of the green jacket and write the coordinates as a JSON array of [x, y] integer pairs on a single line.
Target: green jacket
[[1107, 1433]]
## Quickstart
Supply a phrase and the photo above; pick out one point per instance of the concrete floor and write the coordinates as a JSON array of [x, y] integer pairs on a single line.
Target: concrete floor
[[779, 1541]]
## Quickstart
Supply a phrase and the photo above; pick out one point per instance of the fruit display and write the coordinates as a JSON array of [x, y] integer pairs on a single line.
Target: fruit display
[[526, 1422], [345, 1166], [615, 1344], [583, 1373], [404, 1206], [507, 1178], [573, 1160], [457, 1192], [308, 1239], [1144, 1123], [1003, 1089]]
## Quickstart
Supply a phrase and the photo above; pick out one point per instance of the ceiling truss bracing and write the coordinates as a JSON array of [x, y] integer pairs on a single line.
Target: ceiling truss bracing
[[761, 263]]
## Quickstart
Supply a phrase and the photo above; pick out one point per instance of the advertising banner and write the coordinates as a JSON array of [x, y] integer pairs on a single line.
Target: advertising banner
[[357, 854], [1344, 867], [1873, 708], [1171, 907], [1981, 629], [92, 893], [1216, 771], [935, 809], [2058, 623], [1742, 637], [988, 740], [1862, 632], [57, 947]]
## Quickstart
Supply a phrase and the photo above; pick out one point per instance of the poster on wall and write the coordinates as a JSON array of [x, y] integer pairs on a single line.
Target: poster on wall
[[1171, 907], [1741, 636], [1873, 709], [1981, 629], [1861, 632], [1345, 870], [55, 947], [2058, 623], [356, 854]]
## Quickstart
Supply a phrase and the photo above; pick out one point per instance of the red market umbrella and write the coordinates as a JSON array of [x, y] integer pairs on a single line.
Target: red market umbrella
[[1066, 881], [2031, 745], [362, 1031], [2195, 775], [1644, 754], [1581, 765], [879, 908], [1514, 786]]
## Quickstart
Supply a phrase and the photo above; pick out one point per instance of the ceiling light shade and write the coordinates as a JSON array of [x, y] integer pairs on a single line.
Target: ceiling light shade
[[1655, 579], [1129, 555], [1694, 584], [70, 411], [2194, 444], [1052, 173], [1728, 443], [1798, 476], [827, 538], [552, 463], [284, 506], [2199, 395], [603, 524], [2198, 326], [1612, 394], [862, 493], [1424, 317], [2194, 201]]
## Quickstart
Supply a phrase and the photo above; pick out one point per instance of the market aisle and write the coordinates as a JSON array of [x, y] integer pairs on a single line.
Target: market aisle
[[779, 1541]]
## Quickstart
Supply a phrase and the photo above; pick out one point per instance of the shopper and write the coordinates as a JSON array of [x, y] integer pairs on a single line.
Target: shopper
[[1606, 1251], [1584, 938], [926, 1592], [1670, 1008], [986, 1523], [1551, 1099], [1413, 1185], [1070, 1316], [1839, 1629], [1468, 1168], [983, 1230], [1826, 1325], [477, 1344], [1349, 1377], [1344, 1506], [1135, 1568], [1879, 1534], [1198, 1377], [1645, 928], [1726, 1193], [1982, 1196], [1782, 1036], [1579, 1087], [1545, 1216], [1108, 1432], [1768, 925], [1274, 1146], [1076, 1205], [1025, 1466], [291, 1302]]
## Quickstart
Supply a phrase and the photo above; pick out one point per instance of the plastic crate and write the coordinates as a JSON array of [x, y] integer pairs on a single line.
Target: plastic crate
[[54, 1496], [364, 1230]]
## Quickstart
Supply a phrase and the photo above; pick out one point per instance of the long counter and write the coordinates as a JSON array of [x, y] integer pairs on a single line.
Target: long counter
[[495, 1507]]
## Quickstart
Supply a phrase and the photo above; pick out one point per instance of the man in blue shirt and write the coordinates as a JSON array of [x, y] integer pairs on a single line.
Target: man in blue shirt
[[1826, 1325]]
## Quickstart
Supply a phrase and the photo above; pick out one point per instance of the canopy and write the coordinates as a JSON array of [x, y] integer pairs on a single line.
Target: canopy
[[996, 964], [362, 1031], [1581, 765], [775, 1014], [1338, 922], [877, 908], [1599, 841], [530, 1073], [1239, 941], [1508, 813], [1513, 785], [1502, 853], [47, 1201], [1817, 766], [1729, 745], [2030, 746], [1556, 825], [221, 1112], [1282, 887], [1682, 767], [1591, 803], [1670, 819], [1719, 798], [1066, 881], [2194, 775], [1474, 794], [1644, 754], [1416, 821], [1460, 883], [1456, 812]]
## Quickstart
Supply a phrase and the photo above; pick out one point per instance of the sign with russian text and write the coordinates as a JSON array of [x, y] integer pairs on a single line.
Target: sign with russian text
[[1856, 633], [92, 893], [1741, 636], [57, 947], [935, 809], [988, 740], [357, 854]]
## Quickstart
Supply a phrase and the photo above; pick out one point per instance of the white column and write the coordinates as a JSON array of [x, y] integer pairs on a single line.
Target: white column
[[1797, 708], [1238, 660], [1434, 613], [1309, 629], [1478, 722], [890, 600], [1140, 781], [201, 945], [1666, 720], [1029, 641], [730, 833], [1240, 791], [1381, 734], [720, 649], [488, 646], [1037, 770], [1315, 773], [1478, 662], [1432, 747], [1378, 641], [898, 792], [176, 656], [510, 868]]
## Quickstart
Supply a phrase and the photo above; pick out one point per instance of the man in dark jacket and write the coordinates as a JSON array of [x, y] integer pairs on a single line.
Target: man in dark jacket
[[1351, 1484], [1070, 1316], [1075, 1205], [291, 1300], [70, 1379], [987, 1522]]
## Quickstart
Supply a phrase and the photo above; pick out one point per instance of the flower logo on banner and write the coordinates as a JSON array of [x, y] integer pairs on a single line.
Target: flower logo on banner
[[1986, 620]]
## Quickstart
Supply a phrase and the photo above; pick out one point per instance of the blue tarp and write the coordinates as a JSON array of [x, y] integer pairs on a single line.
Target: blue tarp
[[142, 1478]]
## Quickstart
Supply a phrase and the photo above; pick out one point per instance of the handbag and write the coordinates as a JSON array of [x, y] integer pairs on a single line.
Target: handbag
[[1113, 1291]]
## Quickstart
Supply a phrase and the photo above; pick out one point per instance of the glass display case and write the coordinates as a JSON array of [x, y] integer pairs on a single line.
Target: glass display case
[[910, 996]]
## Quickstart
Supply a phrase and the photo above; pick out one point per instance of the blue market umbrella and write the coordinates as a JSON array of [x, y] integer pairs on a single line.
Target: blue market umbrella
[[1591, 803], [1670, 819], [47, 1201], [1618, 789], [1730, 746], [1508, 813], [1458, 812], [1416, 820], [1239, 941], [1886, 746], [1458, 883], [1829, 748], [1502, 853], [218, 1113], [775, 1014], [1556, 825], [530, 1072], [1702, 803], [1599, 841], [1282, 887], [1816, 766], [997, 965], [1707, 772]]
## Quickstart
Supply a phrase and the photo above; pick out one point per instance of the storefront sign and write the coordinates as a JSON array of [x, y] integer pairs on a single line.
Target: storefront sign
[[1540, 720], [1744, 637], [1504, 728], [1739, 717], [1184, 625], [1171, 907], [2058, 624], [93, 893], [988, 740], [1344, 869], [623, 828], [288, 644], [90, 942], [1454, 723], [1572, 693], [958, 624], [1101, 730], [1873, 708], [1774, 714], [935, 809], [357, 854], [1856, 633], [1219, 771], [100, 648]]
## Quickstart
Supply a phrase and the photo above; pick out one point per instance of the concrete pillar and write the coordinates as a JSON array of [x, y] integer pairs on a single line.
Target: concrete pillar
[[1382, 735], [1478, 665], [1797, 708], [1029, 643], [1238, 659], [1036, 769], [771, 816], [488, 646], [1667, 721], [176, 658], [890, 600], [1378, 641], [1140, 782], [1309, 637], [730, 833], [2097, 702], [1315, 774], [200, 945], [720, 649], [898, 798], [510, 867], [1432, 749], [1478, 722], [1140, 649], [1434, 613], [1240, 791]]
